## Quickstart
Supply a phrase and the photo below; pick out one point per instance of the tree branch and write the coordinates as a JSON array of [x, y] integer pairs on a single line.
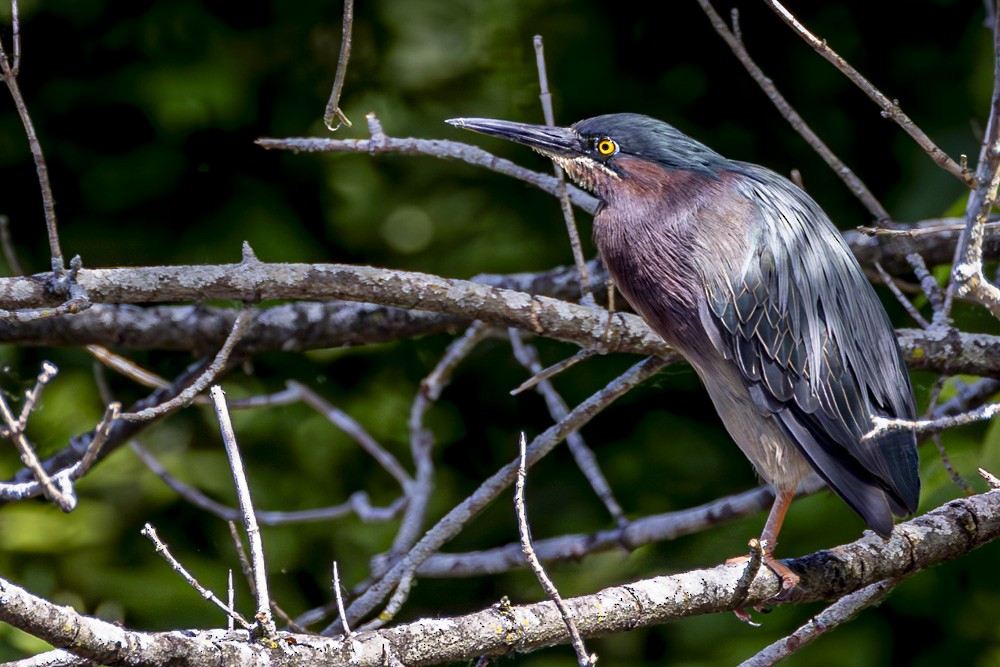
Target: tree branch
[[943, 534]]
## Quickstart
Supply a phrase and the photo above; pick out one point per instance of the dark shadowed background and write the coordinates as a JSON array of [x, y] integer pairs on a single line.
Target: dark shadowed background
[[148, 112]]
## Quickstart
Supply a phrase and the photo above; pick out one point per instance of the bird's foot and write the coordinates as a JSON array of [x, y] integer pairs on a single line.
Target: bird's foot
[[760, 555], [789, 580]]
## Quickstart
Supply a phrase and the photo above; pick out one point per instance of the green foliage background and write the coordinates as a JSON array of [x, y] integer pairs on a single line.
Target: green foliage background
[[148, 112]]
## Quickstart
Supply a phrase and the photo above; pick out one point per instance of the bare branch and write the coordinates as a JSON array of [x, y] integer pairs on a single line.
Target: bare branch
[[582, 655], [356, 431], [422, 440], [881, 425], [543, 374], [940, 535], [240, 326], [838, 613], [527, 356], [61, 494], [561, 192], [358, 504], [967, 274], [901, 298], [639, 532], [448, 150], [265, 625], [455, 520], [853, 182], [890, 108], [8, 74], [338, 595], [164, 551], [333, 106]]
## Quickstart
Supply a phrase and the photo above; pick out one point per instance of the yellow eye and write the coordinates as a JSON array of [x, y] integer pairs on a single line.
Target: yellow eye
[[607, 147]]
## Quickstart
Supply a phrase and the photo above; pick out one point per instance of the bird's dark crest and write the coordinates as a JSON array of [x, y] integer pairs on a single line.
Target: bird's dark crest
[[654, 140]]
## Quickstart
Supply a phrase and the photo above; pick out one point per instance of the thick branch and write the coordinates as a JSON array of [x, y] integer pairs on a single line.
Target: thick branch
[[940, 535], [252, 281], [302, 326]]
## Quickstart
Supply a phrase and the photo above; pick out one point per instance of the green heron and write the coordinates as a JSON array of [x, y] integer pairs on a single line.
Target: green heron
[[743, 273]]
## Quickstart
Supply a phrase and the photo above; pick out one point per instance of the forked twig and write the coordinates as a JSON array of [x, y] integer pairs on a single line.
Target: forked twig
[[453, 522], [890, 108], [8, 74], [240, 327], [57, 489], [164, 551], [855, 184], [265, 624], [527, 356]]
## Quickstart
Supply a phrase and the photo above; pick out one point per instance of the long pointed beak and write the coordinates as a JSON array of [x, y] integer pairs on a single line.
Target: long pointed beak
[[551, 141]]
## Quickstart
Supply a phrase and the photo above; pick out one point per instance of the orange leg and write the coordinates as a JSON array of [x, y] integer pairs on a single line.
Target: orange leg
[[769, 539]]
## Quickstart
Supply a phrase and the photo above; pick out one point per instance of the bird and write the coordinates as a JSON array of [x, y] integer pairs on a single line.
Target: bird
[[743, 273]]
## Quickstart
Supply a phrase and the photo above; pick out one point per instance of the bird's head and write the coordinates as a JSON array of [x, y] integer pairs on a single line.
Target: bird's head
[[606, 154]]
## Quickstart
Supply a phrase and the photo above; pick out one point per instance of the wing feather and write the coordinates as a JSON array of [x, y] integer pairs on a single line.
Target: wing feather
[[816, 349]]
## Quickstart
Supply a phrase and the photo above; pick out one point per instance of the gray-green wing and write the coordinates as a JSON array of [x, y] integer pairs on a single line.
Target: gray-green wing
[[817, 350]]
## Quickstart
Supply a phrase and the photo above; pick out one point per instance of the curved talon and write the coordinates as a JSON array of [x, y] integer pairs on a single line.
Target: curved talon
[[789, 580]]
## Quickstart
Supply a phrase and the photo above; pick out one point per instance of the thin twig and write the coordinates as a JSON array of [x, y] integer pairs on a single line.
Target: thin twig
[[127, 367], [453, 522], [929, 286], [916, 232], [883, 425], [241, 553], [445, 149], [932, 404], [395, 603], [888, 281], [355, 430], [333, 106], [853, 182], [240, 327], [15, 28], [164, 551], [61, 493], [101, 433], [31, 396], [230, 600], [838, 613], [265, 624], [339, 596], [583, 657], [586, 296], [991, 479], [527, 356], [555, 369], [890, 108], [359, 503], [422, 439], [8, 74]]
